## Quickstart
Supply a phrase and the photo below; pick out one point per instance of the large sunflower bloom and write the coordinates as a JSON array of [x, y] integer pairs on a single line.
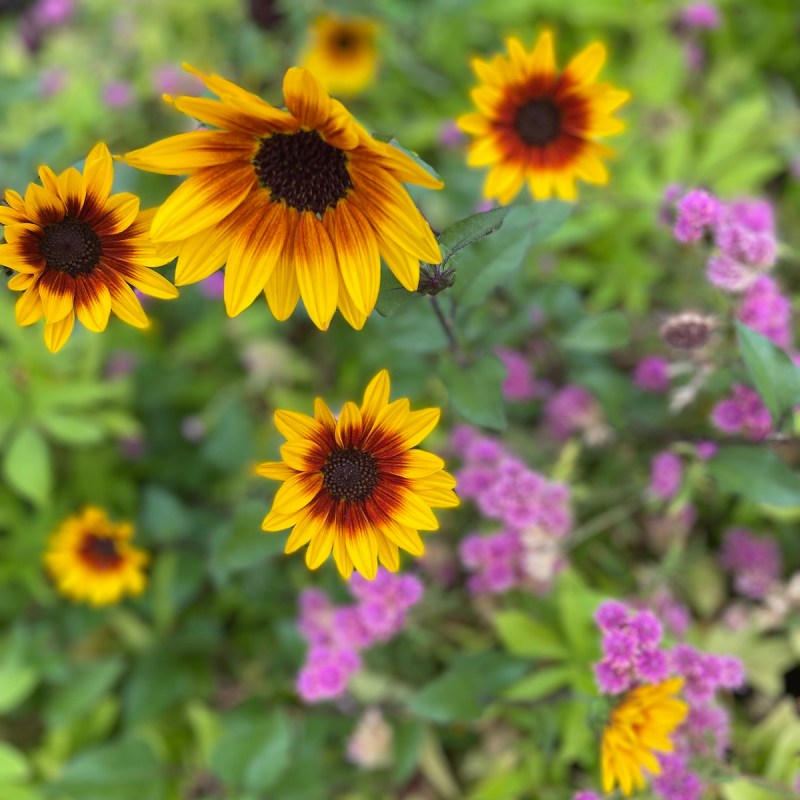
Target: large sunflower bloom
[[537, 125], [91, 559], [639, 726], [358, 485], [76, 249], [342, 55], [298, 202]]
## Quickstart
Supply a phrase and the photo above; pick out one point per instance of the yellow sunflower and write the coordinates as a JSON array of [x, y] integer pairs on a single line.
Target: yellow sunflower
[[639, 727], [358, 485], [298, 202], [342, 54], [537, 125], [91, 559], [76, 248]]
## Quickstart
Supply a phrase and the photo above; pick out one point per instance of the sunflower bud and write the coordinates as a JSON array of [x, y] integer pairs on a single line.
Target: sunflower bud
[[433, 279], [688, 331]]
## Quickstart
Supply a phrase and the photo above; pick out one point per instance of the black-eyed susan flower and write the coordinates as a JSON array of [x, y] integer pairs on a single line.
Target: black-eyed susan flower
[[342, 54], [76, 249], [91, 559], [297, 202], [358, 485], [639, 727], [537, 125]]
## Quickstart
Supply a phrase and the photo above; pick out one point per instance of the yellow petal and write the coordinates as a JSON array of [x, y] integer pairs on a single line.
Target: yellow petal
[[305, 98], [404, 537], [57, 333], [28, 308], [543, 60], [356, 253], [274, 470], [320, 548], [125, 304], [349, 426], [294, 425], [317, 275], [92, 303], [362, 548], [415, 513], [57, 290], [202, 201], [98, 172], [71, 188], [418, 425], [586, 66], [282, 289], [253, 256], [376, 397], [388, 553]]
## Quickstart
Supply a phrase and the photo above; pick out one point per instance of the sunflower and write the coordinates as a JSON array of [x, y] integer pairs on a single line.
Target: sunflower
[[358, 485], [298, 202], [536, 125], [341, 54], [639, 726], [91, 559], [76, 248]]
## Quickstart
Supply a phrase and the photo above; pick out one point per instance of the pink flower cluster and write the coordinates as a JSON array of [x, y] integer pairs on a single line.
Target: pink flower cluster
[[742, 413], [535, 513], [570, 410], [631, 648], [743, 234], [337, 635], [754, 563], [633, 655], [767, 311], [666, 475], [652, 375], [519, 383]]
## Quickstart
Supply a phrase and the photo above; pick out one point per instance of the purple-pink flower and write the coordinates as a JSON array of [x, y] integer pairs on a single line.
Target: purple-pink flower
[[767, 311], [666, 475], [700, 16], [754, 563], [570, 410], [519, 383], [742, 413], [652, 374], [697, 212]]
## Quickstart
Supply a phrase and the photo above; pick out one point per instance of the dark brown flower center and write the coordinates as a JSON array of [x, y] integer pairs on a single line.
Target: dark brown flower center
[[350, 474], [345, 40], [303, 170], [100, 552], [71, 246], [538, 122]]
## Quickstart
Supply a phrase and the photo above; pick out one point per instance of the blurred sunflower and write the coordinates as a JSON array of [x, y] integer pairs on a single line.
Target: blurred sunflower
[[91, 559], [536, 125], [342, 54], [76, 248], [358, 485], [298, 202], [639, 726]]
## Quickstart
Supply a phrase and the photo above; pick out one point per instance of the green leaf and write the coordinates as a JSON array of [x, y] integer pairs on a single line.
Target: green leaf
[[476, 390], [252, 753], [468, 686], [542, 683], [83, 690], [774, 374], [125, 770], [467, 231], [70, 429], [494, 261], [27, 467], [745, 790], [756, 473], [393, 295], [242, 544], [525, 636], [162, 518], [14, 767], [598, 334], [16, 683]]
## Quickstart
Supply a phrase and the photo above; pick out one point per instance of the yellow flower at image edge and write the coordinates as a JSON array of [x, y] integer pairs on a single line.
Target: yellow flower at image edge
[[91, 559], [302, 202], [357, 485], [539, 126], [640, 726], [342, 55], [76, 248]]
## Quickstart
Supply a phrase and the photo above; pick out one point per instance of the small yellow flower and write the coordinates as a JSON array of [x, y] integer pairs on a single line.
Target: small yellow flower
[[91, 559], [537, 125], [76, 248], [358, 485], [296, 203], [342, 54], [640, 726]]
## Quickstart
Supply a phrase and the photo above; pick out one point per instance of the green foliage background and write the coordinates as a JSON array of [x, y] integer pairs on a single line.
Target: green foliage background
[[148, 700]]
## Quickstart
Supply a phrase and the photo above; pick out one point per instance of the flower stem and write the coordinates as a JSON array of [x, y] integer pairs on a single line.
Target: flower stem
[[449, 332]]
